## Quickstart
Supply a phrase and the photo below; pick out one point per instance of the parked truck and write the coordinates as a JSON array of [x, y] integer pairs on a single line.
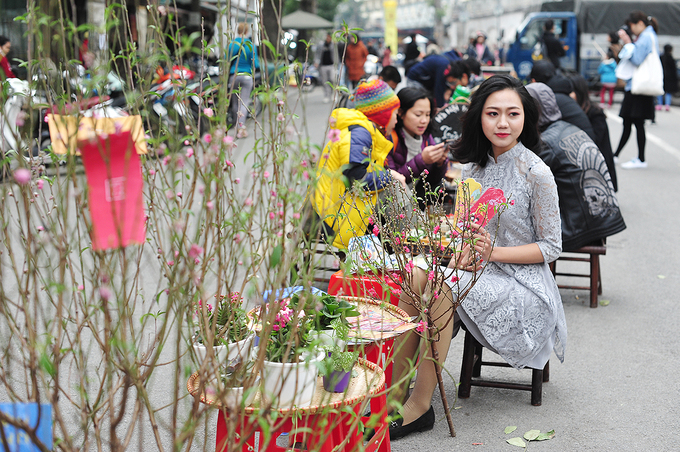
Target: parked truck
[[582, 26]]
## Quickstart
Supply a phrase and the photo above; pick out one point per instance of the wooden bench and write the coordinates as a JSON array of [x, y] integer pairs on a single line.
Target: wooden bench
[[594, 251]]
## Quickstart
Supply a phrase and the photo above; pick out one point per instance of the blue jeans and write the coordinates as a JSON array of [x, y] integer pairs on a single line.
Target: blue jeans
[[667, 97]]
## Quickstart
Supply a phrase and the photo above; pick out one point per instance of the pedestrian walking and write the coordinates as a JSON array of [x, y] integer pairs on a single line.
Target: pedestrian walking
[[326, 61], [355, 58], [670, 77], [607, 71], [243, 62], [636, 108], [480, 51]]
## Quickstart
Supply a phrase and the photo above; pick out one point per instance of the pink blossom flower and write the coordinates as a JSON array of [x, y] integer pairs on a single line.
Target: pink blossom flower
[[186, 143], [512, 202], [304, 163], [40, 184], [201, 189], [171, 263], [407, 249], [332, 121], [248, 202], [190, 153], [334, 135], [22, 176], [240, 262], [237, 238], [169, 194], [296, 215], [280, 117], [152, 172], [208, 112], [179, 194], [105, 293], [180, 162], [81, 287], [197, 261], [229, 163], [425, 172], [436, 229], [396, 291], [266, 174], [409, 266], [40, 228], [430, 276], [372, 293], [273, 193], [421, 326], [209, 205], [272, 215], [455, 279], [207, 138], [305, 175], [166, 160], [376, 230], [237, 180], [228, 140], [195, 251]]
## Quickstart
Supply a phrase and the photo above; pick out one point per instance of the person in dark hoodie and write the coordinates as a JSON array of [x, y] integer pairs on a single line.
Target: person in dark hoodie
[[544, 72], [589, 209], [434, 75]]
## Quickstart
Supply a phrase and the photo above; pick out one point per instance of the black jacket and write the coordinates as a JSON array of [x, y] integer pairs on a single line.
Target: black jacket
[[588, 206], [598, 120], [670, 74], [554, 48]]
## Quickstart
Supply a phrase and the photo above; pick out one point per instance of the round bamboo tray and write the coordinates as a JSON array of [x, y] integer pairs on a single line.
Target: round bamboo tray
[[368, 381]]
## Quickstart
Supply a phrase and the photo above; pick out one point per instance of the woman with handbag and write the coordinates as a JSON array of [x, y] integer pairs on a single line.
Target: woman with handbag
[[638, 100]]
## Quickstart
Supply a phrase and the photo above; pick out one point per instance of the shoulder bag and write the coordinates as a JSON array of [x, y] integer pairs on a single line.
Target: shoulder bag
[[648, 76]]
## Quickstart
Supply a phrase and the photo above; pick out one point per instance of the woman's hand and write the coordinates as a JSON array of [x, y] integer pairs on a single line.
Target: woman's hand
[[434, 154], [398, 177], [624, 37], [465, 260], [483, 244]]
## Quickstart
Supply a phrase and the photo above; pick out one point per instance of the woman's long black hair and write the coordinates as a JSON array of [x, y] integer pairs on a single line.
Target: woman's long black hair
[[407, 99], [473, 146]]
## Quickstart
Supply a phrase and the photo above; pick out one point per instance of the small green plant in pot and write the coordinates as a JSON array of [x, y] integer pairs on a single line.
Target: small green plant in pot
[[226, 327], [239, 383], [327, 310], [338, 363]]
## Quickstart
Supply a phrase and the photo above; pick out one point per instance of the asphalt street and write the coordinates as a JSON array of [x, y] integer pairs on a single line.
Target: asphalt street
[[618, 388]]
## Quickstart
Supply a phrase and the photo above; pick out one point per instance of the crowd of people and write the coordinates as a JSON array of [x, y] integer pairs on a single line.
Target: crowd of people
[[545, 142]]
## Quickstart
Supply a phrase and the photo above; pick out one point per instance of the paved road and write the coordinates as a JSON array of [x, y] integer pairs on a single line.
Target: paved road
[[618, 389]]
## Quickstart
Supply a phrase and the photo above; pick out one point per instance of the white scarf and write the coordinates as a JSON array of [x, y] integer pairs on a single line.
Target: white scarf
[[413, 145]]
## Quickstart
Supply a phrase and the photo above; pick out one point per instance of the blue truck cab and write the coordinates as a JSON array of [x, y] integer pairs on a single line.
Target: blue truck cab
[[528, 44]]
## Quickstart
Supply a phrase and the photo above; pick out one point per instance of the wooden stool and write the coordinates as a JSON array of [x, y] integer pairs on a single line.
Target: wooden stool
[[472, 367], [594, 251]]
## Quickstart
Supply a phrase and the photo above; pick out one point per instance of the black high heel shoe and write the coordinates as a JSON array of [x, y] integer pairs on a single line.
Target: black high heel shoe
[[422, 424]]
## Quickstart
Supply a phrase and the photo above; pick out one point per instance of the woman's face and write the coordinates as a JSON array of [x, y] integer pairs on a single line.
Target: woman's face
[[6, 48], [393, 122], [417, 118], [503, 120], [638, 27]]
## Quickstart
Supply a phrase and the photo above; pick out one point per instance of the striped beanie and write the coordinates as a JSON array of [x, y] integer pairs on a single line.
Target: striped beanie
[[376, 100]]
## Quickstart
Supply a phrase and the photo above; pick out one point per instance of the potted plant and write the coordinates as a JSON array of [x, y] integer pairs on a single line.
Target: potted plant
[[338, 363], [237, 384], [327, 309], [289, 370], [225, 328]]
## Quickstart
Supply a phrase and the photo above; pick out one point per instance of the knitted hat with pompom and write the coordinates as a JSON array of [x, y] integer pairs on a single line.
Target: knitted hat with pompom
[[376, 100]]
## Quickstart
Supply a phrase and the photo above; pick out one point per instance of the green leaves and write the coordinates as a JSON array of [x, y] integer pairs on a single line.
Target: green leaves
[[531, 435]]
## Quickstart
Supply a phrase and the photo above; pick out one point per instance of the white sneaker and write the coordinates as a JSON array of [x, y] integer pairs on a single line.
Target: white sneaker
[[634, 164]]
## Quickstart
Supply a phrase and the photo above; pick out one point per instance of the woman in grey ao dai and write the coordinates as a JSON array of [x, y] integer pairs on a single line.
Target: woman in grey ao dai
[[514, 308]]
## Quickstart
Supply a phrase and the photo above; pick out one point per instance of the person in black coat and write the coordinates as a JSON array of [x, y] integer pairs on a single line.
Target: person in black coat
[[552, 44], [589, 209], [670, 77], [598, 120], [411, 54]]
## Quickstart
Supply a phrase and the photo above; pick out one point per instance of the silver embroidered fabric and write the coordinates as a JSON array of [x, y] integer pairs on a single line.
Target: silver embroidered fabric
[[517, 308]]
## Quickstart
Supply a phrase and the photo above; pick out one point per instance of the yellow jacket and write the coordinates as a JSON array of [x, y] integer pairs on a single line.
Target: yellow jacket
[[347, 213]]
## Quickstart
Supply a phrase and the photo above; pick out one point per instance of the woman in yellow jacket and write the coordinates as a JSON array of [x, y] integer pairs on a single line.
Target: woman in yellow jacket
[[356, 152]]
